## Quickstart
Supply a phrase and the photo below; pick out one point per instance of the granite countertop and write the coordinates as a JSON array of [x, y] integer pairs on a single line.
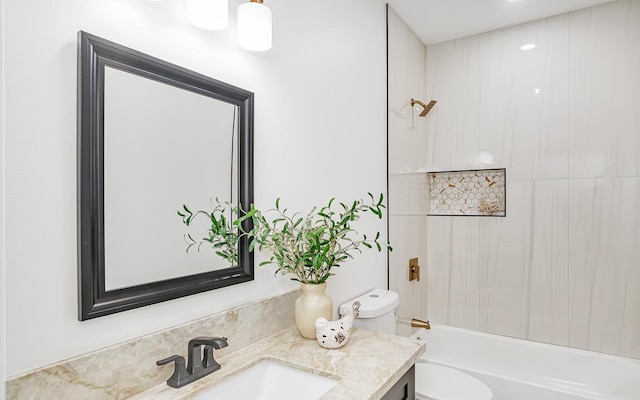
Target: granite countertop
[[365, 368]]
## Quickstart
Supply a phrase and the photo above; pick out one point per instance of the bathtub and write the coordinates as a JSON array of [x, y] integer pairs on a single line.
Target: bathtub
[[518, 369]]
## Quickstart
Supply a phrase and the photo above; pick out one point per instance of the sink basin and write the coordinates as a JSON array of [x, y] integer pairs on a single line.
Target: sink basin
[[269, 381]]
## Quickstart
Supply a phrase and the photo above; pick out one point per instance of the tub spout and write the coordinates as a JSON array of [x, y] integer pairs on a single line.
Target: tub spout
[[416, 323]]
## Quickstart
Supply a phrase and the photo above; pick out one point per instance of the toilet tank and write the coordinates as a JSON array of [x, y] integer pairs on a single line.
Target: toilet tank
[[377, 310]]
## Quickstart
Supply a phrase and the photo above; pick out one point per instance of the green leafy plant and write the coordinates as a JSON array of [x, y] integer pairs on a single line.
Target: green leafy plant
[[223, 234], [306, 246]]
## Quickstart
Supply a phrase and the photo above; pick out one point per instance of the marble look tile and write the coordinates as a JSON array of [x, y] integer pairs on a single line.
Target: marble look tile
[[494, 97], [524, 99], [452, 271], [409, 194], [438, 241], [629, 338], [549, 281], [121, 371], [505, 264], [562, 266], [407, 233], [604, 87], [452, 126], [464, 274], [604, 300], [407, 137]]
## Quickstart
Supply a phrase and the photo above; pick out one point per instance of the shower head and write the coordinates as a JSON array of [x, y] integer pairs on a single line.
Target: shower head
[[427, 107]]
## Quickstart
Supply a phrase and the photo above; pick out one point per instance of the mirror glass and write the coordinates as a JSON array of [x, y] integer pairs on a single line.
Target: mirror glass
[[153, 136], [148, 120]]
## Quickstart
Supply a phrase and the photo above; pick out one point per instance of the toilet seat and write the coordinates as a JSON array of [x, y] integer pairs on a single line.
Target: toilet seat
[[437, 382]]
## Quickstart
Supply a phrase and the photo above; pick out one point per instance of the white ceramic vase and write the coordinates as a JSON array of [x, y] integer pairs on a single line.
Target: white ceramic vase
[[311, 305]]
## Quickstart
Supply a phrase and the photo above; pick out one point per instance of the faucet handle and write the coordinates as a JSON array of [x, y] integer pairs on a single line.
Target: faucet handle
[[216, 342], [179, 373]]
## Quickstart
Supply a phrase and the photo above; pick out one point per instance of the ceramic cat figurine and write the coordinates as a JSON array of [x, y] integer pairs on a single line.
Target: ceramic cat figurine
[[335, 334]]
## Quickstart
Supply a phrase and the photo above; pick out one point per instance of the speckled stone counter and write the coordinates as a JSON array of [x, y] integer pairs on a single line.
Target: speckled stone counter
[[124, 370], [365, 368]]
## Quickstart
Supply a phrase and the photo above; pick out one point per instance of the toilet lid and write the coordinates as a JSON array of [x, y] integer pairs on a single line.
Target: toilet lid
[[444, 383]]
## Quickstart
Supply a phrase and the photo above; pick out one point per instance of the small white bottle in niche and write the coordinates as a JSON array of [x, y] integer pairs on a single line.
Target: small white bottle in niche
[[335, 334]]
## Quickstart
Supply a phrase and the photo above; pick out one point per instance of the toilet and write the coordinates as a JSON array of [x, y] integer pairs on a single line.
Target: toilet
[[433, 382]]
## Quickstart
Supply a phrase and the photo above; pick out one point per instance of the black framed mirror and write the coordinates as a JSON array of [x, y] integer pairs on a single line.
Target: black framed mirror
[[153, 136]]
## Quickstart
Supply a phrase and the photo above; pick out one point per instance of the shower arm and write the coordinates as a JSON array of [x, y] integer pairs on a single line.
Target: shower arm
[[414, 102], [426, 107]]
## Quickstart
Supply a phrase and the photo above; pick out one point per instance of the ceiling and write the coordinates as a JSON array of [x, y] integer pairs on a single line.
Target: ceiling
[[436, 21]]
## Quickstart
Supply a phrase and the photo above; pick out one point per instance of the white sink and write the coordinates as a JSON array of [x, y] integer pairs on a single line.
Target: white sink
[[269, 381]]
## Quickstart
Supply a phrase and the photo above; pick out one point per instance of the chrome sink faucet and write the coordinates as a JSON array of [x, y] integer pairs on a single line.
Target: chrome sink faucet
[[199, 365]]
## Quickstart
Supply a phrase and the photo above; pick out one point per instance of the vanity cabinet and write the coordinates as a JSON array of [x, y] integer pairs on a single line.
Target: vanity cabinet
[[405, 388]]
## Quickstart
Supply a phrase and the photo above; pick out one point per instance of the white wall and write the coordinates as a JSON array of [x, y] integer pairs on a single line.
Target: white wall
[[562, 267], [320, 132]]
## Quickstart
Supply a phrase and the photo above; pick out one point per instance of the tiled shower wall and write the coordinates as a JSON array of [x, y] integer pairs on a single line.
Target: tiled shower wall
[[563, 119], [408, 203]]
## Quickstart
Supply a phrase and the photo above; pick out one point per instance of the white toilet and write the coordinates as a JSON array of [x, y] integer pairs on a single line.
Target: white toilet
[[433, 382]]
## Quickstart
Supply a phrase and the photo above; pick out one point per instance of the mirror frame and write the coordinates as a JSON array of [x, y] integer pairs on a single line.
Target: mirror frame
[[94, 54]]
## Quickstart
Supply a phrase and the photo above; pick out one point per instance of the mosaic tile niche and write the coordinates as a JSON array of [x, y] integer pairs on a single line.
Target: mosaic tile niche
[[473, 192]]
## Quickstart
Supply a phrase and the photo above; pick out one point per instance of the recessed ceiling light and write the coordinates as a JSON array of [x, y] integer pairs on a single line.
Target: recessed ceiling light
[[536, 91], [526, 47]]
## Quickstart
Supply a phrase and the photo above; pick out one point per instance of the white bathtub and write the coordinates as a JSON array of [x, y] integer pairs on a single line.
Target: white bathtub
[[518, 369]]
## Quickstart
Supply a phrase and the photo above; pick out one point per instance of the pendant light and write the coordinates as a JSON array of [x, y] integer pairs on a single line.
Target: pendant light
[[254, 26], [208, 14]]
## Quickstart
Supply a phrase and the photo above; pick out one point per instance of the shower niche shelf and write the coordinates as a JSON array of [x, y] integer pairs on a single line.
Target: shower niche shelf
[[467, 193]]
